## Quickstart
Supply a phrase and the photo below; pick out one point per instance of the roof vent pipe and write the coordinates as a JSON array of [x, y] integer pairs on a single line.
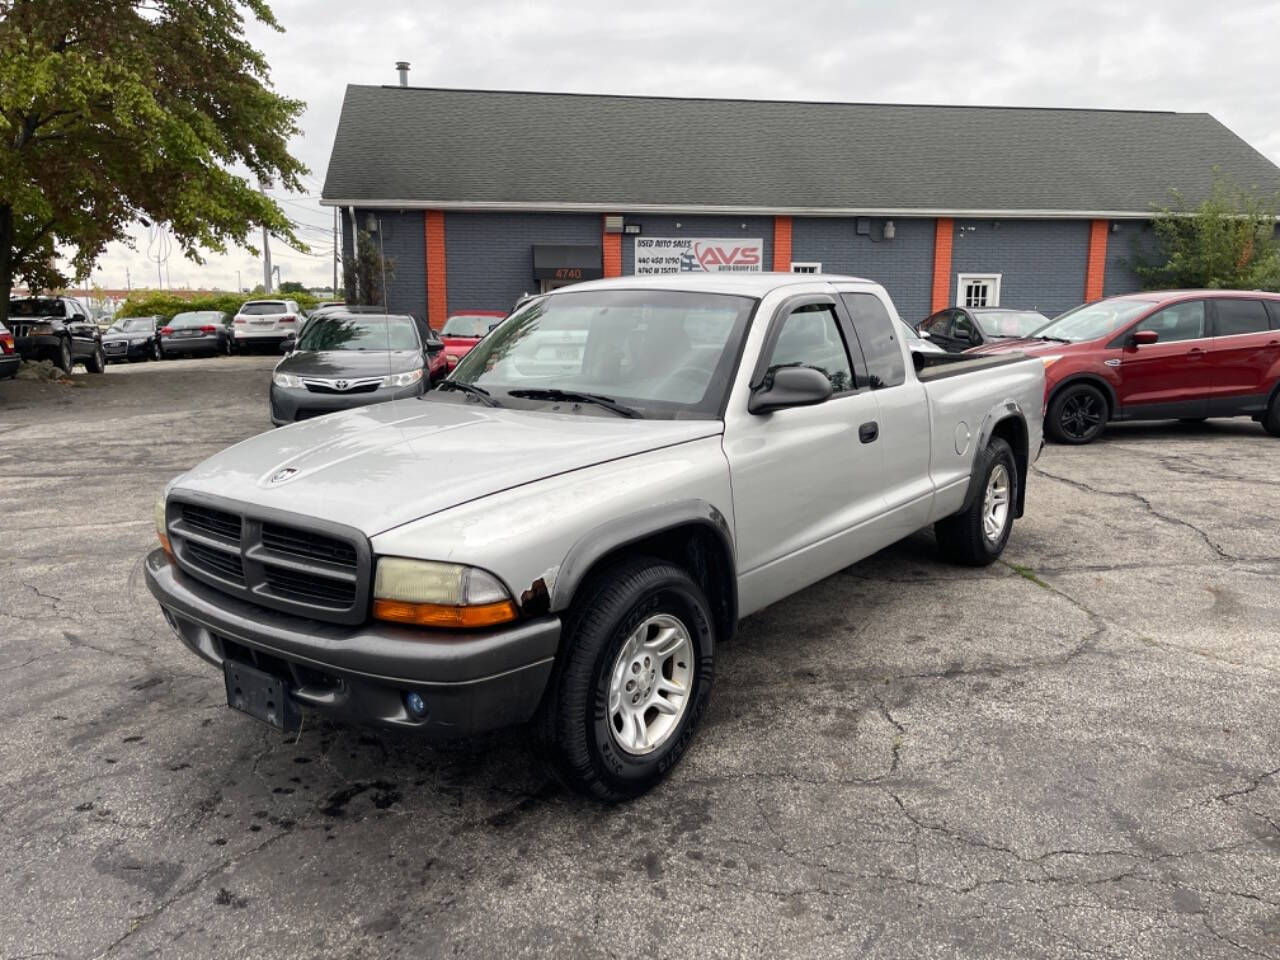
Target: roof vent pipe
[[402, 67]]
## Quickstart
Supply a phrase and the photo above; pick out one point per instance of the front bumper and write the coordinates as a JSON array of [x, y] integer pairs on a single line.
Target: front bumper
[[471, 682], [40, 347], [298, 403], [9, 364], [124, 350]]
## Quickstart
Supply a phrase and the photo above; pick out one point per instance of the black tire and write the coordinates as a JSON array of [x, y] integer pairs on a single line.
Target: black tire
[[96, 362], [226, 347], [961, 536], [1077, 414], [573, 727], [65, 361], [1271, 419], [155, 353]]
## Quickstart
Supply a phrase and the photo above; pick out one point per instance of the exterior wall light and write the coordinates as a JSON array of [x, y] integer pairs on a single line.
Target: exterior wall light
[[890, 231]]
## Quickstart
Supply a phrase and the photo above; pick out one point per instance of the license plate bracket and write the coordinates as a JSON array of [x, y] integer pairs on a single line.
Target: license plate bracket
[[261, 695]]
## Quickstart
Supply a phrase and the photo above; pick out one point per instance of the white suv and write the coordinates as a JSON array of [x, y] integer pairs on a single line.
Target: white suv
[[267, 322]]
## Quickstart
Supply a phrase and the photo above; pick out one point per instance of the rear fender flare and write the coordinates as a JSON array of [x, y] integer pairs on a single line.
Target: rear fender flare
[[1000, 412]]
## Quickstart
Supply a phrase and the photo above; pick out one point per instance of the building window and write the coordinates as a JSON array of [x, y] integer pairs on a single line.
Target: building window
[[807, 267], [978, 290]]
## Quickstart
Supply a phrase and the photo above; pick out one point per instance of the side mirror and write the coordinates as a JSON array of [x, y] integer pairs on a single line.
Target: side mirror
[[792, 387], [1144, 338], [975, 337], [434, 347]]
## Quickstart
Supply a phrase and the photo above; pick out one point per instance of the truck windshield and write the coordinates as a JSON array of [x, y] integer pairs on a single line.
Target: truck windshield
[[1093, 320], [664, 354]]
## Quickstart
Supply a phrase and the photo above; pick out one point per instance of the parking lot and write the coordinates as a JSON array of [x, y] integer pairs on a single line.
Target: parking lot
[[1073, 752]]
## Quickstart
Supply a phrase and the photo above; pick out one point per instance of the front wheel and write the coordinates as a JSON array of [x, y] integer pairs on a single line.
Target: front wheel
[[64, 361], [977, 535], [1271, 419], [1078, 414], [155, 350], [634, 679], [96, 362]]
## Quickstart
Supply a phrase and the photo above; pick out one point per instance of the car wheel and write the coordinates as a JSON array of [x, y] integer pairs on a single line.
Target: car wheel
[[977, 535], [1271, 419], [96, 362], [155, 350], [226, 347], [64, 361], [626, 697], [1078, 414]]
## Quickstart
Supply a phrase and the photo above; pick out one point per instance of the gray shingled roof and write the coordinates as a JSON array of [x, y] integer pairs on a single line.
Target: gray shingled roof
[[416, 146]]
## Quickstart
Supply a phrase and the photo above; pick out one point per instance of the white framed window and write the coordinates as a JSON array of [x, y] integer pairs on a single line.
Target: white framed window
[[978, 290], [807, 266]]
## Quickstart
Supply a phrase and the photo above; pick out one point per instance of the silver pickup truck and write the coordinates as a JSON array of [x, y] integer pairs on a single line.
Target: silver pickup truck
[[564, 530]]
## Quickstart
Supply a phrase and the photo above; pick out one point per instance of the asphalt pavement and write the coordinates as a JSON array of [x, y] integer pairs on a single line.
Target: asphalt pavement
[[1075, 752]]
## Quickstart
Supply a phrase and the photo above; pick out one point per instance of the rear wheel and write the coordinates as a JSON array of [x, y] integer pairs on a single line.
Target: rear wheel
[[1078, 414], [977, 535], [1271, 419], [635, 677]]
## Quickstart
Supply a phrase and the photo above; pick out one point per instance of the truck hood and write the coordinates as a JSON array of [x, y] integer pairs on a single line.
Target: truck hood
[[380, 466]]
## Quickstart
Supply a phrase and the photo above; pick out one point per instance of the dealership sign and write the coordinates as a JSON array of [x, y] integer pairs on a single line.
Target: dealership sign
[[698, 255]]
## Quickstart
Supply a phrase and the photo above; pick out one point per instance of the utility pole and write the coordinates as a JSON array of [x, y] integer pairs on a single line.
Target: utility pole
[[128, 284], [239, 286], [335, 253], [266, 248]]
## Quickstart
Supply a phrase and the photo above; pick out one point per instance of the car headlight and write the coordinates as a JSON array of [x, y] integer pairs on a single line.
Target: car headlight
[[137, 341], [431, 594], [162, 531], [286, 380], [402, 379], [452, 357]]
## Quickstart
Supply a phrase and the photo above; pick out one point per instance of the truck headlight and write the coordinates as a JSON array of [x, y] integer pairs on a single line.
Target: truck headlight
[[431, 594], [286, 380], [162, 531], [402, 379]]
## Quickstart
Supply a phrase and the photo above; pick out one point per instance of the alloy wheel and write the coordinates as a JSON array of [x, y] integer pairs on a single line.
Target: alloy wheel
[[995, 504], [1081, 415], [650, 684]]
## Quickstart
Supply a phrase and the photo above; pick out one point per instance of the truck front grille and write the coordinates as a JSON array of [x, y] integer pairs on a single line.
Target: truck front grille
[[294, 564]]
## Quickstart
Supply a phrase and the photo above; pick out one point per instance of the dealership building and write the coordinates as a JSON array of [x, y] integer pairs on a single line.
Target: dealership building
[[480, 197]]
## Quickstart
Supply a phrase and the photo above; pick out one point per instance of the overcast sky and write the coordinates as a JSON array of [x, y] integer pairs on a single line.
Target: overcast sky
[[1220, 58]]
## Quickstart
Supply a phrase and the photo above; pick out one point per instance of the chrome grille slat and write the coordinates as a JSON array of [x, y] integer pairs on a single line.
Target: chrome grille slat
[[264, 557]]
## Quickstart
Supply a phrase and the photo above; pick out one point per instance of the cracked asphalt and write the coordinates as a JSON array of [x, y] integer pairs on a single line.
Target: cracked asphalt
[[1073, 753]]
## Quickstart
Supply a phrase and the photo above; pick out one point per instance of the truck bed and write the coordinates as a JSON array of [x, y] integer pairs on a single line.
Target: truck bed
[[939, 366]]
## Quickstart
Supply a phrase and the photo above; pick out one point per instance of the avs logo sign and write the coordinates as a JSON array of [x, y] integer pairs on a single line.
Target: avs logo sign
[[698, 255]]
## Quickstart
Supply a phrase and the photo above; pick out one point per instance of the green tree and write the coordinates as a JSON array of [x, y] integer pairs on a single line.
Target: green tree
[[365, 274], [1227, 242], [292, 286], [114, 111]]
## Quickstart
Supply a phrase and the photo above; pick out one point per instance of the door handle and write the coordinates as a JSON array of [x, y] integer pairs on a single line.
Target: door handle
[[868, 432]]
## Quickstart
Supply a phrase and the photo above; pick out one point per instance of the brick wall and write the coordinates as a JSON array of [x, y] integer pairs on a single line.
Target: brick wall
[[1042, 262], [491, 254], [697, 226], [904, 265]]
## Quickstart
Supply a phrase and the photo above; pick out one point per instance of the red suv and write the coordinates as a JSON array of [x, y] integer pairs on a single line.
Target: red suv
[[1182, 354], [462, 331]]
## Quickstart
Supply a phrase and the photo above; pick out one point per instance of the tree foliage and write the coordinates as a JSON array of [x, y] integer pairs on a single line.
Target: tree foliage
[[116, 110], [1227, 242], [364, 275]]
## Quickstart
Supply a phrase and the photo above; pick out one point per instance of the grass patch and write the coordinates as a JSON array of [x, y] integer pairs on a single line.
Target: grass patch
[[1027, 574]]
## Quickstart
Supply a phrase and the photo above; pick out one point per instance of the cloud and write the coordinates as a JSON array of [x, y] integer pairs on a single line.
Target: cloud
[[1178, 55]]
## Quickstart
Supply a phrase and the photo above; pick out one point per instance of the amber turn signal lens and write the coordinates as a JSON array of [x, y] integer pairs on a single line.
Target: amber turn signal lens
[[440, 615]]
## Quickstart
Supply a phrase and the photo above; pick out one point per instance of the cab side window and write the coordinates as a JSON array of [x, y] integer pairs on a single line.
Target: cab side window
[[810, 337], [878, 339], [1182, 321], [1240, 316]]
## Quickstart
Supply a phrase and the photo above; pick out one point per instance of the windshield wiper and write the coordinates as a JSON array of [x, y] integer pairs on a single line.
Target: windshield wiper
[[572, 396], [1041, 336], [480, 393]]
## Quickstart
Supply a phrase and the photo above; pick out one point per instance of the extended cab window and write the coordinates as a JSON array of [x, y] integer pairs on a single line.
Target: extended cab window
[[810, 337], [1240, 316], [1182, 321], [878, 339]]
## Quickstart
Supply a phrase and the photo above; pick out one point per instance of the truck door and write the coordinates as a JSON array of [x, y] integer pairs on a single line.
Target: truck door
[[905, 430], [806, 480]]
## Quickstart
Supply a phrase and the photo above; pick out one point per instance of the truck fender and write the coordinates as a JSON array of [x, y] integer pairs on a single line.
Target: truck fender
[[632, 528], [1005, 410]]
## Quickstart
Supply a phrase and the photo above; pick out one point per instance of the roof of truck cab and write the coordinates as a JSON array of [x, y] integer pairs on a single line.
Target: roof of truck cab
[[743, 284]]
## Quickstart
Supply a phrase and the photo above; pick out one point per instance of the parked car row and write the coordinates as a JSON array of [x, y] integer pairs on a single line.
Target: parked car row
[[1179, 354]]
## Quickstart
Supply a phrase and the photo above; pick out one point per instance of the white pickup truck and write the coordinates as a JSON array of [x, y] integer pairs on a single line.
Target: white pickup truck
[[564, 530]]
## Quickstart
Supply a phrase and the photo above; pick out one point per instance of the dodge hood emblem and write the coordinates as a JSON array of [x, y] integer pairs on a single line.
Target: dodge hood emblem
[[282, 475]]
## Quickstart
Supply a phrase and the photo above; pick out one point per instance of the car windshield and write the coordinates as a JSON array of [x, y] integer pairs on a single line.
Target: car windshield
[[466, 326], [665, 354], [337, 332], [1009, 323], [196, 318], [1093, 320], [263, 307], [36, 307], [133, 325]]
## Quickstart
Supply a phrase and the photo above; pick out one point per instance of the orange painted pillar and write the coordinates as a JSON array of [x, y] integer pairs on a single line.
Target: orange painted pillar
[[437, 295], [611, 243], [1095, 268], [943, 239], [782, 244]]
